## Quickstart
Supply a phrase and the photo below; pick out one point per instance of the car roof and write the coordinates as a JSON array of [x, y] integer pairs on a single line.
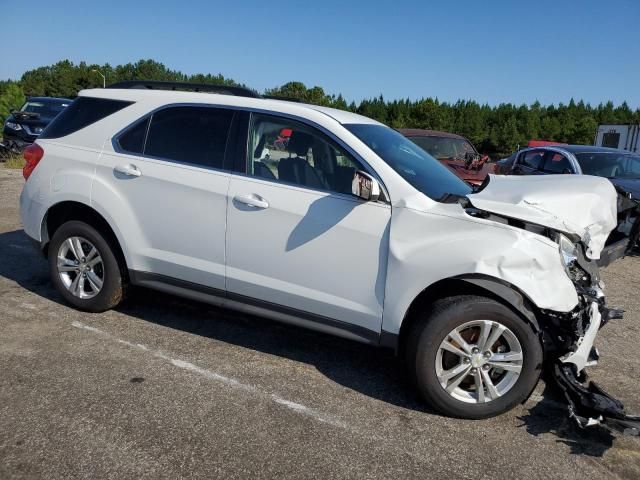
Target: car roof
[[48, 99], [419, 132], [578, 148], [171, 96]]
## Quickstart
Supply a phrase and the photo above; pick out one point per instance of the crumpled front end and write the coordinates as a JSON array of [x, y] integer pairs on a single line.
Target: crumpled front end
[[570, 338], [578, 213], [578, 205]]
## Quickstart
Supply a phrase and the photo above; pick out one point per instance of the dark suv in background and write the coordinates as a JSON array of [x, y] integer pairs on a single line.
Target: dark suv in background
[[23, 126]]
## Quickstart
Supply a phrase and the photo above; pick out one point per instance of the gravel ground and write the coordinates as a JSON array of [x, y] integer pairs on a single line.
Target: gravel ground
[[168, 388]]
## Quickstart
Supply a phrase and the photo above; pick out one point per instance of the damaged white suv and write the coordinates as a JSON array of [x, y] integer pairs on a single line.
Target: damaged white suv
[[346, 227]]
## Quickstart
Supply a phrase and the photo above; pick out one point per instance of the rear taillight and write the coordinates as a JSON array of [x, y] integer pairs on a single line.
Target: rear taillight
[[32, 155]]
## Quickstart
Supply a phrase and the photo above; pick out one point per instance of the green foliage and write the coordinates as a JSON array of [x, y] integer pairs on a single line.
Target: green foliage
[[493, 129], [64, 79], [11, 98], [13, 162]]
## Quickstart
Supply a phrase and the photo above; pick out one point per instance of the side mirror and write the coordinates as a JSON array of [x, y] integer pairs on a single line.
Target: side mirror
[[365, 186]]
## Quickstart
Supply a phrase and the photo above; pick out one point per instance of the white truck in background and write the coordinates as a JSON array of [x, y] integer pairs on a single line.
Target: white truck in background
[[622, 137]]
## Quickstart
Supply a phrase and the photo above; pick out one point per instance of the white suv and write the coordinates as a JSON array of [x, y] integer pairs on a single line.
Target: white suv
[[346, 227]]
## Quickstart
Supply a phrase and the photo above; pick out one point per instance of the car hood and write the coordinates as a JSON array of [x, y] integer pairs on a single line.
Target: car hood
[[580, 205], [628, 185]]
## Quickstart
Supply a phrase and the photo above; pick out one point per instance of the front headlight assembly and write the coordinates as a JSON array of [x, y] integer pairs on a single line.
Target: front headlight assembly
[[13, 126], [569, 254], [568, 251]]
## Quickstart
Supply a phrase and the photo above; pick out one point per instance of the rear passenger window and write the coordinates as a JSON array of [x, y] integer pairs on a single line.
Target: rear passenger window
[[80, 114], [196, 135], [132, 140], [532, 159]]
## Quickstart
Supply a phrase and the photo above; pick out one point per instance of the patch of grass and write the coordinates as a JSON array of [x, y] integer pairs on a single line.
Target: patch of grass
[[14, 161]]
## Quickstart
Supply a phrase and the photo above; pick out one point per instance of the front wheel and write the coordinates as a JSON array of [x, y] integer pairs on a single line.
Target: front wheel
[[84, 268], [472, 357]]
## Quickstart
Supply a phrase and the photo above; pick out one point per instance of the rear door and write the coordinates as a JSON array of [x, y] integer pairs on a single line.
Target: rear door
[[297, 240], [166, 183]]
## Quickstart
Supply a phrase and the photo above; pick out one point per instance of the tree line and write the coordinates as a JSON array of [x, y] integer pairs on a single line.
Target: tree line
[[496, 130]]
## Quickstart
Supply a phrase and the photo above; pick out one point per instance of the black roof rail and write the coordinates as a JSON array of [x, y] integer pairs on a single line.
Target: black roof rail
[[284, 99], [196, 87]]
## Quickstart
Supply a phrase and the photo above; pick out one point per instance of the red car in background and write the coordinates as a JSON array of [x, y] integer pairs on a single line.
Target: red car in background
[[454, 151]]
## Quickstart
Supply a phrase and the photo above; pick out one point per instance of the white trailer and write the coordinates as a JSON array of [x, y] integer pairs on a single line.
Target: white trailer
[[622, 137]]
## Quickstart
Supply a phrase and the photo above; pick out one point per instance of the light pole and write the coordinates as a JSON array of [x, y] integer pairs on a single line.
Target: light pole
[[104, 80]]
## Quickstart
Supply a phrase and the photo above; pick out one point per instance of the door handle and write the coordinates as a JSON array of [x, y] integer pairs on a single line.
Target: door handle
[[129, 170], [252, 200]]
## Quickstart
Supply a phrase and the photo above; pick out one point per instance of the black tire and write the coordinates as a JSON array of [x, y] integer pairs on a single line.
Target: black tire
[[429, 331], [114, 273]]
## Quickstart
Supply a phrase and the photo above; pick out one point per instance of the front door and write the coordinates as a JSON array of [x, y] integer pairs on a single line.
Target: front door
[[297, 239]]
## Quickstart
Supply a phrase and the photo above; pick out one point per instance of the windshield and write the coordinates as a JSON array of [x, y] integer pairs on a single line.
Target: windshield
[[412, 163], [45, 108], [610, 164], [444, 147]]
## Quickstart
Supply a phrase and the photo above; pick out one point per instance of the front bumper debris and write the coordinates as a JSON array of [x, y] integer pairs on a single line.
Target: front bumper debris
[[588, 404]]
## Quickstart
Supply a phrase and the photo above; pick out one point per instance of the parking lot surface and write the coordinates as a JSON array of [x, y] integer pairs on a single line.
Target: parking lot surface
[[169, 388]]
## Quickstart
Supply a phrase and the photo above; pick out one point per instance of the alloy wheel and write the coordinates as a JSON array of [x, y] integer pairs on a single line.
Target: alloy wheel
[[80, 267], [479, 361]]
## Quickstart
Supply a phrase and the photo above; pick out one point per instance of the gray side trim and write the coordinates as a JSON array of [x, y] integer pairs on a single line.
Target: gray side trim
[[254, 306]]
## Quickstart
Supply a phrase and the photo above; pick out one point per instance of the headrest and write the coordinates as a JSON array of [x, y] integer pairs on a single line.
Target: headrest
[[299, 143]]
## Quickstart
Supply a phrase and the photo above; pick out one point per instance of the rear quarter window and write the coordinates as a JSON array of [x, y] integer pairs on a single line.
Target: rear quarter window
[[83, 112]]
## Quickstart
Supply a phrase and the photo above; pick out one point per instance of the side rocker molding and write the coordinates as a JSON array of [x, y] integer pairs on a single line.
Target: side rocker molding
[[252, 306]]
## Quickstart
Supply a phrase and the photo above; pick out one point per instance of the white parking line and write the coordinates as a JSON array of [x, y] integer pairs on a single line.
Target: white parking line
[[216, 377]]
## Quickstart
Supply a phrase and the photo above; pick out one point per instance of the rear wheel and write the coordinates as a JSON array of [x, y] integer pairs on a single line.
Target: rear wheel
[[84, 268], [472, 357]]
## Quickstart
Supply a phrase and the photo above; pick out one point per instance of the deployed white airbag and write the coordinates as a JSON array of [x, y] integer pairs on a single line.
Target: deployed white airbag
[[577, 204]]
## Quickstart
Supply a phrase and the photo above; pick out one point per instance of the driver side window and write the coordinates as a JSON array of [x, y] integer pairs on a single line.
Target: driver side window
[[288, 151]]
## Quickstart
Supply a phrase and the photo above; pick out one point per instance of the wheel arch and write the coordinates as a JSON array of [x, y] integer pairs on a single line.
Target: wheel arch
[[478, 284], [67, 210]]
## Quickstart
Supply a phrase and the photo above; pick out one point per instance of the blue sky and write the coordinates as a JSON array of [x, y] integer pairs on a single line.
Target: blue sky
[[490, 51]]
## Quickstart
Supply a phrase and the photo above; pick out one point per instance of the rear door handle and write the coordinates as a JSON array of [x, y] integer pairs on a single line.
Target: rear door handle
[[252, 200], [129, 170]]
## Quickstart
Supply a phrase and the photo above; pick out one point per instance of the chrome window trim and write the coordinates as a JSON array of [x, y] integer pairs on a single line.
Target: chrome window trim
[[116, 146]]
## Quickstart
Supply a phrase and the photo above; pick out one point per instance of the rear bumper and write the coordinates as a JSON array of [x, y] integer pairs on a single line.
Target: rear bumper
[[31, 214]]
